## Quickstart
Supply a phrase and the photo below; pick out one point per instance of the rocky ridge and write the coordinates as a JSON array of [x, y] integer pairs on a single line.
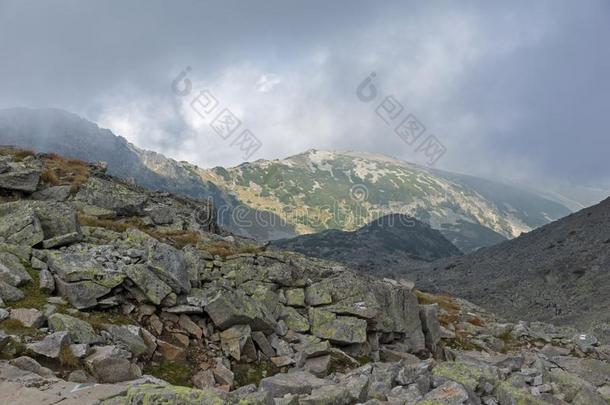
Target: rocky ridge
[[384, 247], [111, 293]]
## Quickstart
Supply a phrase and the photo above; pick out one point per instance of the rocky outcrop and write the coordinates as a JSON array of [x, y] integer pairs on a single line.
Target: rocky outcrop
[[21, 175]]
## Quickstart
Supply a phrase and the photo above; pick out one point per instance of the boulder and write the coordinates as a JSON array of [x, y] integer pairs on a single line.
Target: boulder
[[223, 375], [337, 329], [294, 320], [228, 308], [81, 279], [79, 350], [169, 265], [46, 281], [404, 395], [191, 327], [79, 330], [295, 297], [263, 344], [328, 395], [82, 294], [73, 267], [282, 361], [170, 352], [234, 339], [297, 382], [29, 364], [152, 287], [109, 364], [470, 375], [12, 271], [450, 393], [125, 336], [58, 220], [51, 345], [20, 224], [318, 294], [30, 317], [54, 193], [61, 240], [318, 366], [430, 326], [20, 175], [594, 371], [10, 293], [507, 393], [204, 379]]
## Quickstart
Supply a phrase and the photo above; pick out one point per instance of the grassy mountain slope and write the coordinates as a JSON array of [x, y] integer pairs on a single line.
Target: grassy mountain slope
[[320, 190]]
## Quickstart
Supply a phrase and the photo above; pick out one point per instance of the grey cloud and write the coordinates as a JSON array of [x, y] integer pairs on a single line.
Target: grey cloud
[[516, 91]]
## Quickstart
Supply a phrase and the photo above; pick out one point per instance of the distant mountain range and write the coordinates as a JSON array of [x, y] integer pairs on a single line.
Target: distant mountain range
[[306, 193], [321, 190], [385, 247], [559, 272]]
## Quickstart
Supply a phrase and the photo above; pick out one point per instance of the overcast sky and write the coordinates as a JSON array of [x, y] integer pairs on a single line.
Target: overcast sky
[[517, 91]]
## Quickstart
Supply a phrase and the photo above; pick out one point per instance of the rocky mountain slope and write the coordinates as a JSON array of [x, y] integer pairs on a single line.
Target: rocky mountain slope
[[557, 273], [114, 294], [306, 193], [385, 247]]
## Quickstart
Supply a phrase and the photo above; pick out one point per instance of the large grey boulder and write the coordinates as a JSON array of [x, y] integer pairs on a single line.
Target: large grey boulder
[[594, 371], [10, 293], [337, 329], [298, 382], [46, 281], [81, 294], [123, 335], [109, 364], [29, 364], [430, 326], [234, 339], [228, 308], [79, 330], [30, 317], [51, 345], [58, 221], [19, 224], [12, 271], [31, 222], [81, 279], [169, 265], [145, 279], [21, 176], [72, 267], [54, 193]]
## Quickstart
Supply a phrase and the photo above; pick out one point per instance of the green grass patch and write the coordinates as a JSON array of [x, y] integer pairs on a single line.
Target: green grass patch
[[99, 319], [253, 373], [14, 327], [173, 372], [34, 297]]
